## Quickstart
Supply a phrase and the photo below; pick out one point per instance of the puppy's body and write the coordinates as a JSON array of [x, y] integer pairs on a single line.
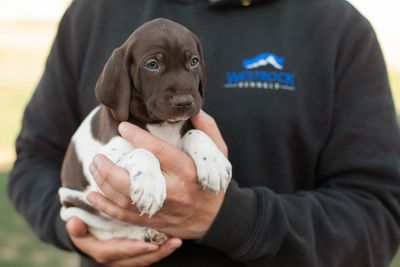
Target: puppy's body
[[158, 85]]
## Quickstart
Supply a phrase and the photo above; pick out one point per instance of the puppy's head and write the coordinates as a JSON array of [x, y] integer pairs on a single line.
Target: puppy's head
[[157, 75]]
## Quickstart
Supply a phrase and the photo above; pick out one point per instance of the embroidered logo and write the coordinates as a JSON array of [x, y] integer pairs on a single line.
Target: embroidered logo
[[272, 77], [264, 59]]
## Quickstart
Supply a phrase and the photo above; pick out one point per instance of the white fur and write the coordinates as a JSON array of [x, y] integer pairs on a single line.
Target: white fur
[[104, 228], [148, 187], [87, 147], [214, 171], [169, 132]]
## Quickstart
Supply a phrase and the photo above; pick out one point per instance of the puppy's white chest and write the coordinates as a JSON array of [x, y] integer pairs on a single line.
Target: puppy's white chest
[[169, 132]]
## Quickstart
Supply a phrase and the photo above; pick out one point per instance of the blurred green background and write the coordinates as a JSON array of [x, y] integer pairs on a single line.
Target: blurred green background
[[23, 48], [24, 45]]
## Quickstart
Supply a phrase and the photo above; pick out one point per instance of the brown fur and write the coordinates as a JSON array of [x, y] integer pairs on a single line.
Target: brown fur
[[129, 91], [132, 92], [72, 171], [80, 204], [104, 126]]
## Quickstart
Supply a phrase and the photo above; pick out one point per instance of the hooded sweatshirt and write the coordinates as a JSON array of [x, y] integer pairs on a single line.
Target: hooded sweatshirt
[[300, 92]]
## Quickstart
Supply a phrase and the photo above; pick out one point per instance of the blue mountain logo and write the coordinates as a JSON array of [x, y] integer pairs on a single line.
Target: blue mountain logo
[[264, 59], [250, 76]]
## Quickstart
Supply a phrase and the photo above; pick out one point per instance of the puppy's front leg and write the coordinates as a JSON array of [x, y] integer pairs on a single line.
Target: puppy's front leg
[[148, 186], [214, 171]]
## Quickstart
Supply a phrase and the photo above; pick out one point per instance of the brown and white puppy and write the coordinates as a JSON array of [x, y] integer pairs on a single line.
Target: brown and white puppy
[[155, 80]]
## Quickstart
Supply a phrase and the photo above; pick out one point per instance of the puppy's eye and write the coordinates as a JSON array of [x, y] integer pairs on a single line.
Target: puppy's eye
[[194, 61], [152, 64]]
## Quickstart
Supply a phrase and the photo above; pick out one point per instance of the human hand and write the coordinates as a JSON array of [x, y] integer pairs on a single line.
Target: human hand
[[188, 211], [118, 252]]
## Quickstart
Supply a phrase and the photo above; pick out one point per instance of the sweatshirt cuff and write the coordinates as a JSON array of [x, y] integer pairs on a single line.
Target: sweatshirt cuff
[[234, 224]]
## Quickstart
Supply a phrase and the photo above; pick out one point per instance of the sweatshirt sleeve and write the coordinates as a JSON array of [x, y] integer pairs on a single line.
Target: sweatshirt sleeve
[[352, 217], [49, 121]]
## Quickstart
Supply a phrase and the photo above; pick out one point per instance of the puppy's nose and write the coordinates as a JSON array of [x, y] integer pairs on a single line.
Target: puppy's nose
[[182, 100]]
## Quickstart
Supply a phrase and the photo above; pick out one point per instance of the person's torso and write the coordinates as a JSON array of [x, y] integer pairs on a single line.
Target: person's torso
[[270, 86]]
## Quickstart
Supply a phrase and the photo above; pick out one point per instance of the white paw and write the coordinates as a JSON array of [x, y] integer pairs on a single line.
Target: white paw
[[148, 188], [214, 171]]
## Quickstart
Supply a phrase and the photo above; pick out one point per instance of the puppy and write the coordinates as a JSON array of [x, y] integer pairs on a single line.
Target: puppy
[[155, 80]]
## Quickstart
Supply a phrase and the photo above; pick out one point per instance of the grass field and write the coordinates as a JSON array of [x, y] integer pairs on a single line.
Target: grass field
[[20, 68], [18, 245]]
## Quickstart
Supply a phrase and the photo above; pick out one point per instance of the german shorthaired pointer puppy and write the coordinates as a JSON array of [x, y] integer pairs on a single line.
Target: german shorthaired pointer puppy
[[155, 80]]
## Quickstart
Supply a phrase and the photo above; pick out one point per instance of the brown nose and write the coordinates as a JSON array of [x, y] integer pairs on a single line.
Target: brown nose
[[182, 100]]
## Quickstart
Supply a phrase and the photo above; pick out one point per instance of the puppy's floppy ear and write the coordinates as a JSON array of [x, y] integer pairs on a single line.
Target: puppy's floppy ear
[[113, 88], [202, 85]]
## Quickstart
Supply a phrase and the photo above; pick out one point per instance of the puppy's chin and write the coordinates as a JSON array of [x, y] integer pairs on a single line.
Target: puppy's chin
[[178, 119], [173, 114]]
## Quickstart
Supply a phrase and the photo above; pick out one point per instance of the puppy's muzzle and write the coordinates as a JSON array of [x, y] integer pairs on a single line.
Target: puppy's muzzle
[[182, 101]]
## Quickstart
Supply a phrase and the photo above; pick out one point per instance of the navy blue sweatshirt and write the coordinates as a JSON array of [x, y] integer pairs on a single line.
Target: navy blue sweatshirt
[[300, 92]]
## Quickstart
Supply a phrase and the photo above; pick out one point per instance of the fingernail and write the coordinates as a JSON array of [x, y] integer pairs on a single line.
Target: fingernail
[[97, 160], [91, 199], [68, 226], [70, 230], [93, 169], [123, 127]]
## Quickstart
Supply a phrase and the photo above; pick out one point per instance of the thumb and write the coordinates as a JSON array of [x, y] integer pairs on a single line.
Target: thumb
[[76, 227]]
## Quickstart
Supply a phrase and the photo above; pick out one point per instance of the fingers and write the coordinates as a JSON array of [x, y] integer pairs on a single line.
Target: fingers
[[106, 251], [171, 159], [112, 180], [76, 227], [103, 204], [110, 251], [207, 124], [150, 258]]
